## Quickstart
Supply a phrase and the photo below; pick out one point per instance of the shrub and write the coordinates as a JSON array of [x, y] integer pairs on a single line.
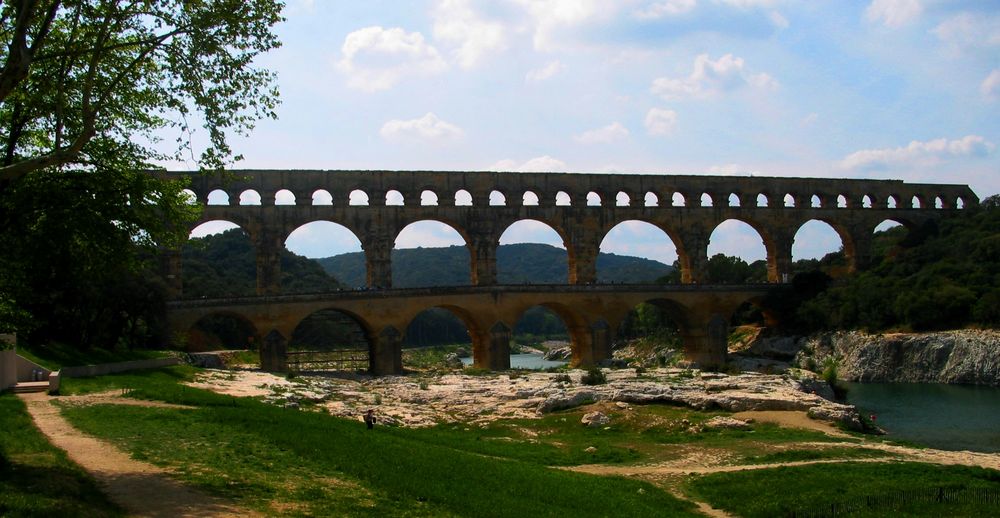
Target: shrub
[[594, 376], [563, 378], [829, 375]]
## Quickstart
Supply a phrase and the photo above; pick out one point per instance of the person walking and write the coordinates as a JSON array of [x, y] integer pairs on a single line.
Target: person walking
[[370, 419]]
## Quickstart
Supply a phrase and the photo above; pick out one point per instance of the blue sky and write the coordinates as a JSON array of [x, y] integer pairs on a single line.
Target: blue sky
[[905, 89]]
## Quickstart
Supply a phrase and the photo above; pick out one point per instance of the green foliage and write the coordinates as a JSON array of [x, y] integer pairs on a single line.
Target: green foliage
[[77, 250], [431, 357], [941, 276], [652, 323], [594, 376], [724, 269], [224, 265], [36, 478], [94, 79], [88, 91], [530, 263], [816, 454], [436, 326]]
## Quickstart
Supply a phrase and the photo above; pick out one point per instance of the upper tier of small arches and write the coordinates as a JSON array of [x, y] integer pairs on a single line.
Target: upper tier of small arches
[[391, 188]]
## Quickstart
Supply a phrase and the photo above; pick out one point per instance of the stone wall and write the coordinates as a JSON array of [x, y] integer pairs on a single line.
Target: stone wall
[[84, 371], [8, 369]]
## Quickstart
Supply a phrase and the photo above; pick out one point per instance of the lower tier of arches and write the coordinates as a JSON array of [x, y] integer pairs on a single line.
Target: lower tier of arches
[[591, 315]]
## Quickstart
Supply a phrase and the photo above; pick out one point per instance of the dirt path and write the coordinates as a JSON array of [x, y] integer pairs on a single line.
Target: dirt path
[[140, 488], [697, 462]]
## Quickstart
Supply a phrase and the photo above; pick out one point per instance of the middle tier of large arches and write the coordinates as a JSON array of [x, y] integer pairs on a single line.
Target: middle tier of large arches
[[688, 230]]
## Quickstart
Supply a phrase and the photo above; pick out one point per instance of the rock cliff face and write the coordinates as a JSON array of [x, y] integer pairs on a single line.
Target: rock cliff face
[[966, 356]]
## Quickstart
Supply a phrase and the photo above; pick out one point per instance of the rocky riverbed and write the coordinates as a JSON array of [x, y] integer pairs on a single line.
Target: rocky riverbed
[[427, 400]]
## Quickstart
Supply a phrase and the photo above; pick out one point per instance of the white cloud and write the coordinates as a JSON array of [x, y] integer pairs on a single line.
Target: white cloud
[[455, 23], [658, 10], [968, 31], [893, 13], [747, 4], [549, 16], [778, 20], [709, 77], [541, 164], [660, 121], [731, 170], [375, 58], [610, 133], [990, 87], [546, 72], [918, 153], [428, 127], [809, 120]]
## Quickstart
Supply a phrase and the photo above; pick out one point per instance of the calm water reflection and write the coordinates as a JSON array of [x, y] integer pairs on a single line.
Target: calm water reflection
[[949, 417]]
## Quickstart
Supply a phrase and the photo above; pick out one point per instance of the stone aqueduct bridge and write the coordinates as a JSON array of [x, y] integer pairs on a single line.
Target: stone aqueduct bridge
[[581, 208]]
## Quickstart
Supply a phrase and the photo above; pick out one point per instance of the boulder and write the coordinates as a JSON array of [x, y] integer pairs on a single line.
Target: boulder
[[562, 400], [727, 423], [595, 419], [810, 384], [846, 415], [559, 354], [453, 361], [208, 360]]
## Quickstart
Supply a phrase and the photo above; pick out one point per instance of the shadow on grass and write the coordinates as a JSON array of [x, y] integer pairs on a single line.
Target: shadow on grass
[[247, 441], [27, 490], [36, 478]]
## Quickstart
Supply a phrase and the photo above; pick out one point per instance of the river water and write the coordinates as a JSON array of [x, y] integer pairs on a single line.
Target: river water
[[526, 361], [947, 417]]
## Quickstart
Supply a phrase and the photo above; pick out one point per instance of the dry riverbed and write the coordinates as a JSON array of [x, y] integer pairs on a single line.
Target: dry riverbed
[[418, 400]]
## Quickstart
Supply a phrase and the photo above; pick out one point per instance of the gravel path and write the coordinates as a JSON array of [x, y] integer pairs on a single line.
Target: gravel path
[[141, 489]]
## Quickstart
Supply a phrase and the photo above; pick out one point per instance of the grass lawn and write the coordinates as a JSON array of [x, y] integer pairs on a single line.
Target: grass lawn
[[55, 356], [279, 460], [285, 461], [814, 488], [36, 478]]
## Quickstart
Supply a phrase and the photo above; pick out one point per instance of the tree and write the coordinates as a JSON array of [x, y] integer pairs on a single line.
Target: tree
[[84, 80], [89, 92]]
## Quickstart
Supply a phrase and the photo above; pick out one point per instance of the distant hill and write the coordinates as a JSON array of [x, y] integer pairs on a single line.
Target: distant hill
[[224, 265], [516, 264]]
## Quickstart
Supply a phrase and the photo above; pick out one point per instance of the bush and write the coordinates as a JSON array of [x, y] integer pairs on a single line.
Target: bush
[[829, 375], [594, 376], [562, 378]]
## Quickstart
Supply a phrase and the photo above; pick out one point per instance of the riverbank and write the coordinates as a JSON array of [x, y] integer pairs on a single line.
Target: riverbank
[[968, 356]]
